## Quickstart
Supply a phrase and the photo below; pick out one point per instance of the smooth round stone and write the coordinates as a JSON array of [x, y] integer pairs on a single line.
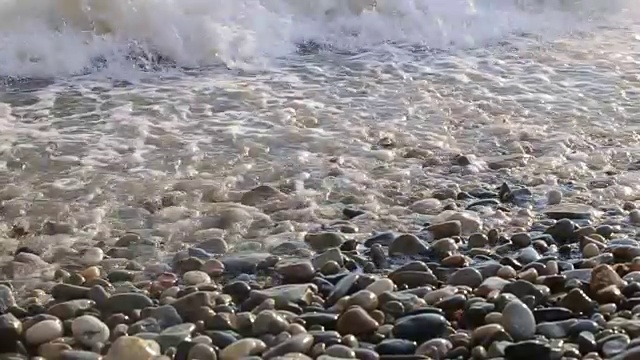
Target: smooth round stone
[[296, 344], [478, 240], [213, 267], [330, 268], [555, 329], [127, 302], [132, 347], [188, 350], [518, 320], [53, 350], [202, 339], [528, 255], [554, 197], [407, 244], [396, 347], [590, 250], [196, 277], [506, 272], [92, 256], [174, 335], [44, 331], [484, 332], [366, 354], [214, 245], [90, 273], [380, 286], [89, 330], [243, 348], [466, 277], [586, 342], [166, 315], [221, 339], [435, 348], [201, 352], [293, 270], [340, 351], [366, 299], [6, 298], [145, 325], [10, 330], [269, 322], [493, 318], [521, 240], [323, 241], [614, 344], [420, 327], [356, 321], [532, 349], [68, 309]]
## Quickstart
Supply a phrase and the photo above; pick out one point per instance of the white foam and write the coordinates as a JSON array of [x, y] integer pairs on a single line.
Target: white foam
[[63, 37]]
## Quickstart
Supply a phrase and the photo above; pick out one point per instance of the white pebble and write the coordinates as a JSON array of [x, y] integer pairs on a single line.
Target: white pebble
[[89, 330], [554, 197], [92, 256], [44, 331], [381, 285], [196, 277]]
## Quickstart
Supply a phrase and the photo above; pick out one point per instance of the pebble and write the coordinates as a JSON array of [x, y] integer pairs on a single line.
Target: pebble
[[590, 250], [44, 331], [421, 327], [554, 197], [466, 277], [356, 321], [380, 286], [296, 344], [603, 276], [132, 347], [196, 277], [407, 244], [269, 322], [469, 271], [243, 348], [445, 229], [89, 330], [518, 320], [295, 270], [92, 256], [127, 302], [323, 241]]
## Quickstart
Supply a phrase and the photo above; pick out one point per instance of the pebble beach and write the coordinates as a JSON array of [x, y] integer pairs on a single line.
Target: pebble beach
[[556, 283]]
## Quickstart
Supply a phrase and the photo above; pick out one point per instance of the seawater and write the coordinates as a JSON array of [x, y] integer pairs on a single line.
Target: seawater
[[155, 115]]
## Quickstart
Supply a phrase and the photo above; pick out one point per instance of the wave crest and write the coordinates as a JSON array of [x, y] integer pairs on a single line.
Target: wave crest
[[62, 37]]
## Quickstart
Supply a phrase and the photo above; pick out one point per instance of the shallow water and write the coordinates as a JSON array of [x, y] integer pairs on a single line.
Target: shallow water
[[552, 85]]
